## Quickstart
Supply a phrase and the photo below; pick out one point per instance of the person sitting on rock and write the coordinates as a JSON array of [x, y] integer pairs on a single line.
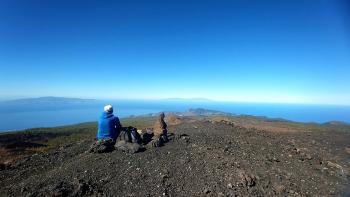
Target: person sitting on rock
[[109, 125], [109, 128]]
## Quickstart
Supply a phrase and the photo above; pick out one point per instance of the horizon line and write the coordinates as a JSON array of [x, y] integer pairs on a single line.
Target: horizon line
[[193, 99]]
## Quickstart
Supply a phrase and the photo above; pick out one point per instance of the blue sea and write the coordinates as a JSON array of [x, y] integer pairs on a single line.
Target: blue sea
[[17, 118]]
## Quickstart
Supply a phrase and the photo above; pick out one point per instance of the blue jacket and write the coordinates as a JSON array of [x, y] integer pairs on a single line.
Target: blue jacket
[[108, 126]]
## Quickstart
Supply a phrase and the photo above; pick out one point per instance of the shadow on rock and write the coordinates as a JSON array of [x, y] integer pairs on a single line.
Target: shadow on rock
[[101, 147], [77, 188], [129, 147]]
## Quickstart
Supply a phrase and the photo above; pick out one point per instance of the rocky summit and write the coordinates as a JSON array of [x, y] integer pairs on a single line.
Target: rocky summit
[[202, 158]]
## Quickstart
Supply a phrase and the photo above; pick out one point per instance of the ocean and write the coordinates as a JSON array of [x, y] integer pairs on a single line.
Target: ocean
[[12, 119]]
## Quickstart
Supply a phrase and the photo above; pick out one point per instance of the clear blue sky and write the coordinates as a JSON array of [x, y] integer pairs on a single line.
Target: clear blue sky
[[258, 51]]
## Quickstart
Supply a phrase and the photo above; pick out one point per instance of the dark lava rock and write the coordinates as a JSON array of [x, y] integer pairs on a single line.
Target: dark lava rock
[[247, 180], [83, 188], [98, 147], [62, 189], [3, 166], [128, 147], [204, 167]]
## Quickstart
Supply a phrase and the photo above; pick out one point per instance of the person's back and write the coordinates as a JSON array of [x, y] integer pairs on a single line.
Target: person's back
[[108, 125]]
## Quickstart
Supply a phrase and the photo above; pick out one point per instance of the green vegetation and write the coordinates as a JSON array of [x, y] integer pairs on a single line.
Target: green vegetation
[[139, 122]]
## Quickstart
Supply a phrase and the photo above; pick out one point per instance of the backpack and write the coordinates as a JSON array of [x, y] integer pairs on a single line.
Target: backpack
[[130, 135], [135, 136]]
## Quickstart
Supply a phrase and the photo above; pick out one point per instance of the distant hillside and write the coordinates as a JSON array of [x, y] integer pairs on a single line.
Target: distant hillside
[[335, 123], [48, 99], [45, 103], [207, 112], [192, 112]]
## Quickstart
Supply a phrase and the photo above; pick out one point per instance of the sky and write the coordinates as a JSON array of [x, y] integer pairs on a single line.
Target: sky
[[289, 51]]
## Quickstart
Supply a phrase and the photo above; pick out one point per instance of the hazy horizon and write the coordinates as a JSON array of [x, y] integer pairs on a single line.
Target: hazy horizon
[[52, 111], [4, 99]]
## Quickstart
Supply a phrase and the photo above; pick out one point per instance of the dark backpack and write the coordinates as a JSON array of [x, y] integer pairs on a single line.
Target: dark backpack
[[135, 136], [124, 136], [130, 135]]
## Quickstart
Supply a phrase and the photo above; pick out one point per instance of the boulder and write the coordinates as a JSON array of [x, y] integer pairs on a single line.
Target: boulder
[[246, 180], [101, 147], [155, 142], [128, 147], [173, 119]]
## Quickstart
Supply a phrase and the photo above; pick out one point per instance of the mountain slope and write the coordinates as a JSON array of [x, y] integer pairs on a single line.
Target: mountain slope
[[212, 159]]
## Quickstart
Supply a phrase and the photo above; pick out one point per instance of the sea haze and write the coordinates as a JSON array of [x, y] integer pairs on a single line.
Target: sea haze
[[53, 111]]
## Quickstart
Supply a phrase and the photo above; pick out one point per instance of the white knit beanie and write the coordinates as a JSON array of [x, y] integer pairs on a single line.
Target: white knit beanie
[[108, 108]]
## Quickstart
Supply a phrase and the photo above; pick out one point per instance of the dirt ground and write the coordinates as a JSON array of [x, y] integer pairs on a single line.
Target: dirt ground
[[204, 158]]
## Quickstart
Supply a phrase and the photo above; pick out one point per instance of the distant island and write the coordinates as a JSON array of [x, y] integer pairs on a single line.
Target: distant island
[[45, 103], [56, 111], [47, 100]]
